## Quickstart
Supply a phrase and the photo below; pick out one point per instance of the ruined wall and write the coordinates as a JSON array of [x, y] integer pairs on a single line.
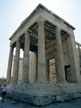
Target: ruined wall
[[32, 68]]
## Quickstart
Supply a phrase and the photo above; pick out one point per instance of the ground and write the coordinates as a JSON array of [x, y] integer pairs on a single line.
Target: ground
[[16, 104]]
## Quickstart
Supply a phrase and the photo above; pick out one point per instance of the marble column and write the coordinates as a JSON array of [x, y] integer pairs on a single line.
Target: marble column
[[41, 78], [16, 63], [74, 60], [60, 74], [79, 54], [10, 65], [32, 67], [25, 73], [79, 49]]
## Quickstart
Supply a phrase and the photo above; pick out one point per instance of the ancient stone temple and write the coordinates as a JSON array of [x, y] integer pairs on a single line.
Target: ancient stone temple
[[50, 68]]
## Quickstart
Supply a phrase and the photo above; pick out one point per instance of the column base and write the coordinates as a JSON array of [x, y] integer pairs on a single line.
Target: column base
[[41, 94]]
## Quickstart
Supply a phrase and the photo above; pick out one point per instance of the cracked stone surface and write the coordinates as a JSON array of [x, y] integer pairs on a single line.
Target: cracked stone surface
[[16, 104]]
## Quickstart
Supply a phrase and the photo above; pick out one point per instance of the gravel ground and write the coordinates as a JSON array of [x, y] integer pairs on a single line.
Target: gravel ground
[[16, 104]]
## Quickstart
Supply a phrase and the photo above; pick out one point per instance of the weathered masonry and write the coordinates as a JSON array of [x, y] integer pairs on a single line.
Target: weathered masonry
[[50, 68]]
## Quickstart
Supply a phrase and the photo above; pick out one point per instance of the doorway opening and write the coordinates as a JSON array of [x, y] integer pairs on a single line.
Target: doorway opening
[[52, 71]]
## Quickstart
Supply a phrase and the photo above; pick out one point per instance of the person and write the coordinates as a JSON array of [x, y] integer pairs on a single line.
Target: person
[[4, 91]]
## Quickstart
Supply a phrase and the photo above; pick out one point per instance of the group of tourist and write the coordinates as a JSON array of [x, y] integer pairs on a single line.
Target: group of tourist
[[3, 91]]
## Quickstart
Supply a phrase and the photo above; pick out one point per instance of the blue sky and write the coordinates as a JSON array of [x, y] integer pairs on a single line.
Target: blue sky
[[13, 12]]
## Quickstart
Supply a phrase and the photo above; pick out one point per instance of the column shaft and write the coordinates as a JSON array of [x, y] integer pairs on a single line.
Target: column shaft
[[32, 68], [74, 60], [10, 65], [25, 74], [79, 54], [41, 52], [79, 49], [16, 63], [59, 59]]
